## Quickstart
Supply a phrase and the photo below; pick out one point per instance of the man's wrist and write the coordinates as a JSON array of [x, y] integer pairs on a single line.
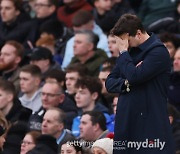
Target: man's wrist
[[123, 51]]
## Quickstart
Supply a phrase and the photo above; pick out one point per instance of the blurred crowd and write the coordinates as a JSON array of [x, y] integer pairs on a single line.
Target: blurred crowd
[[55, 56]]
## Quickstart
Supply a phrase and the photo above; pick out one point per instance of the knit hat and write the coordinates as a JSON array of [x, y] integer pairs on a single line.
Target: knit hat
[[105, 143]]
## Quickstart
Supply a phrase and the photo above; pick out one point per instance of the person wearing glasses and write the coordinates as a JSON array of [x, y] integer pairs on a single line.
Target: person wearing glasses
[[29, 141], [45, 8], [52, 95], [45, 11]]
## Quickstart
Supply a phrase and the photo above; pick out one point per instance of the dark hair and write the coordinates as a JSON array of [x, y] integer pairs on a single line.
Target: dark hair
[[91, 36], [7, 86], [110, 61], [172, 111], [56, 74], [170, 37], [42, 53], [107, 69], [54, 2], [17, 4], [18, 46], [34, 134], [82, 17], [127, 23], [53, 27], [77, 147], [93, 84], [46, 144], [97, 118], [79, 68], [32, 69]]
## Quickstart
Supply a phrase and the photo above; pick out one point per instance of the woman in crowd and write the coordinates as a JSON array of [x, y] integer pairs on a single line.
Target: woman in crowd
[[3, 130], [71, 148], [29, 141]]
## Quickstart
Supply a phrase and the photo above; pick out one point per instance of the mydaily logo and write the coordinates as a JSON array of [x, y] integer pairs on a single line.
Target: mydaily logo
[[156, 143]]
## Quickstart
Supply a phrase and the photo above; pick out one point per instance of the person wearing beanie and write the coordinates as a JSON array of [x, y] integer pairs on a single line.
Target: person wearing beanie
[[103, 146]]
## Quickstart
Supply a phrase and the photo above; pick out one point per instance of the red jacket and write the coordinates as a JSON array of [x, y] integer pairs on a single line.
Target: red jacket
[[66, 13]]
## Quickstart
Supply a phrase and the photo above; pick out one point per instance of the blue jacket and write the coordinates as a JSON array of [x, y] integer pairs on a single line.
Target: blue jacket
[[98, 107]]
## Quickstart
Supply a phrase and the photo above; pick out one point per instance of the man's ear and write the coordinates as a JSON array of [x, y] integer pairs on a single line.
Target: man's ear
[[90, 46], [10, 97], [62, 83], [96, 3], [52, 8], [61, 126], [171, 119], [17, 12], [18, 60], [96, 127], [94, 95], [61, 98], [37, 81], [139, 34]]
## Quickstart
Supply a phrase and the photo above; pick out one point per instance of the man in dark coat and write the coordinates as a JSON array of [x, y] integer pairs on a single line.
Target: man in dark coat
[[12, 54], [141, 77], [53, 124], [15, 24], [10, 105]]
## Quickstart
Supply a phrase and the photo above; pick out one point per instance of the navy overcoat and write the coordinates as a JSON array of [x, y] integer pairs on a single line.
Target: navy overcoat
[[142, 125]]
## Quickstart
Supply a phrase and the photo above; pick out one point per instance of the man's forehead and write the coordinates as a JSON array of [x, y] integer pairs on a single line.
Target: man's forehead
[[49, 86], [27, 74], [72, 74], [80, 36], [123, 36], [177, 54], [80, 89], [51, 114], [8, 3], [8, 48], [86, 118], [42, 1], [103, 74]]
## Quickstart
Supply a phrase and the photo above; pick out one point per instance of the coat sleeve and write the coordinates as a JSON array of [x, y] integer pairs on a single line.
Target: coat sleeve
[[155, 62], [114, 82]]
